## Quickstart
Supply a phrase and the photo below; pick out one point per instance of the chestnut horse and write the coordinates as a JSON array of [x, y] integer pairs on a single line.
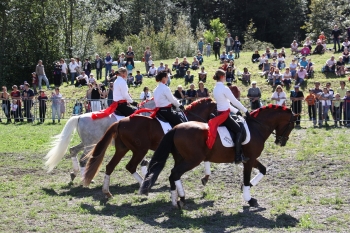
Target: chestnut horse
[[180, 140], [138, 134]]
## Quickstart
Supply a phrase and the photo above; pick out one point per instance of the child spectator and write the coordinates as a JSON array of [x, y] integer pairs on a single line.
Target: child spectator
[[246, 75], [294, 47], [208, 48], [293, 68], [311, 106], [277, 77], [305, 50], [130, 80], [145, 95], [42, 98], [287, 78], [202, 75], [336, 109], [229, 75], [138, 78], [121, 60], [129, 67], [63, 108], [310, 68], [200, 58], [322, 37], [223, 57], [325, 98], [280, 60], [188, 78], [14, 112], [35, 82]]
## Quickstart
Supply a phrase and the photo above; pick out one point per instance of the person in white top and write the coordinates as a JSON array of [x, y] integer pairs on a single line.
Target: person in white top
[[164, 100], [146, 94], [279, 96], [330, 65], [223, 97], [64, 70], [73, 66], [121, 93], [152, 71]]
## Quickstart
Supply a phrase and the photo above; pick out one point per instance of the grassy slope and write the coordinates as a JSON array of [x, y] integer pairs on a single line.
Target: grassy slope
[[306, 188]]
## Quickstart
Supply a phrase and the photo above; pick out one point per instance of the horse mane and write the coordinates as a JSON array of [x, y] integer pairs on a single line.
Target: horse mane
[[256, 112], [197, 102]]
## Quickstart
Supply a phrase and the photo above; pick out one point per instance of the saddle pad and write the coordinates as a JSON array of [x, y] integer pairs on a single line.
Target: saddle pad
[[165, 126], [225, 136], [117, 116]]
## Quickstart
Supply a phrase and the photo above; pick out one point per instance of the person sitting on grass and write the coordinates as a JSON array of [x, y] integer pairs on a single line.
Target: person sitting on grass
[[294, 47], [319, 49], [245, 76], [266, 68], [301, 75], [223, 57], [138, 78], [255, 56], [303, 62], [152, 71], [130, 80], [346, 56], [283, 52], [202, 92], [274, 53], [293, 68], [82, 80], [146, 94], [310, 68], [270, 74], [262, 60], [180, 95], [305, 51], [200, 58], [188, 77], [345, 45], [268, 52], [175, 64], [287, 78], [277, 77], [280, 60], [230, 56], [191, 94], [330, 65], [340, 65], [224, 66], [202, 75], [195, 64], [230, 77]]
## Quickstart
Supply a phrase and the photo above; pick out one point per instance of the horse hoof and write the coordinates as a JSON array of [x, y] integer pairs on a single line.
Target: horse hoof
[[143, 192], [204, 181], [92, 182], [180, 205], [108, 195], [253, 202], [72, 176]]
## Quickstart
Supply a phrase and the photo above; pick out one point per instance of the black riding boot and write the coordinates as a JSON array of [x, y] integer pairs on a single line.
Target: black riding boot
[[239, 157]]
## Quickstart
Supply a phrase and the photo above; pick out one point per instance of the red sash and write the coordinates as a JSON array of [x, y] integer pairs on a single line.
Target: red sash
[[153, 111], [108, 111], [213, 125]]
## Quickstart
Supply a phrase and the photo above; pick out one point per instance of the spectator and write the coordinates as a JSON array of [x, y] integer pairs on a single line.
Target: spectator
[[103, 96], [62, 108], [147, 54], [266, 68], [92, 79], [297, 97], [98, 66], [82, 80], [348, 32], [185, 63], [130, 56], [138, 78], [56, 105], [188, 78], [152, 71], [274, 54], [27, 97], [40, 71], [293, 68], [336, 109], [279, 96], [305, 50], [274, 62], [345, 45], [340, 67], [230, 77], [294, 47], [325, 99], [255, 56], [310, 68], [277, 77], [246, 75], [130, 80], [208, 49], [14, 111], [342, 92], [230, 56], [16, 95], [223, 57], [228, 42], [302, 74], [319, 49], [322, 37], [311, 106], [303, 62], [110, 94], [160, 68], [254, 95], [87, 67], [268, 52], [224, 66], [308, 43], [181, 71], [202, 75], [202, 92], [200, 58], [287, 78], [346, 55], [317, 91], [57, 76], [280, 60], [335, 35], [112, 76], [6, 105], [35, 82], [283, 52], [200, 45], [122, 62], [180, 95], [191, 94], [79, 65], [108, 64], [346, 108], [129, 67], [42, 99], [95, 98], [176, 64], [236, 46], [270, 74], [216, 48], [262, 60], [195, 64], [73, 67], [146, 94], [235, 91], [330, 65]]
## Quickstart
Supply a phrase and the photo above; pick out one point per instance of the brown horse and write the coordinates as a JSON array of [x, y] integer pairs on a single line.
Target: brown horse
[[138, 134], [180, 140]]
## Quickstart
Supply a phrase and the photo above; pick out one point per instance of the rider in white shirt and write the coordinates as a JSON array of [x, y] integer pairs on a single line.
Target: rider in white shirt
[[164, 100], [121, 94], [223, 97]]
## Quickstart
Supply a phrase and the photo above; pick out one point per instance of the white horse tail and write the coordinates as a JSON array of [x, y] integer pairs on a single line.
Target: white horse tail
[[60, 144]]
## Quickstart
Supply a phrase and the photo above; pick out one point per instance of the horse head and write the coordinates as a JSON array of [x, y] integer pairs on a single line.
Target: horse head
[[200, 110]]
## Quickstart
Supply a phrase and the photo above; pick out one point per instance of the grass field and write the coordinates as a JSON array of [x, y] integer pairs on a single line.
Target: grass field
[[306, 188]]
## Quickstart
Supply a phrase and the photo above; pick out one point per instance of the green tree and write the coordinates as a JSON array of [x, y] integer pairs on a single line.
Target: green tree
[[217, 29]]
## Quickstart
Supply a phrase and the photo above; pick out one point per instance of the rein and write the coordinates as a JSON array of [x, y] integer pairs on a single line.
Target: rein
[[196, 116]]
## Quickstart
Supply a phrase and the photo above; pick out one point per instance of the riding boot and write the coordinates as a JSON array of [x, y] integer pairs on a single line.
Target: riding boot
[[239, 157]]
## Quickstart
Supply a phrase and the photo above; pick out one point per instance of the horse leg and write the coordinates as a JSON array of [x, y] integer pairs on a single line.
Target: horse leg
[[144, 167], [207, 173], [120, 151], [73, 153], [136, 158], [247, 169], [260, 175]]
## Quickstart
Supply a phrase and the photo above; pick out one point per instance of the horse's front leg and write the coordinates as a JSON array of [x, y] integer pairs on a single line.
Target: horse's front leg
[[247, 170], [207, 173], [260, 175]]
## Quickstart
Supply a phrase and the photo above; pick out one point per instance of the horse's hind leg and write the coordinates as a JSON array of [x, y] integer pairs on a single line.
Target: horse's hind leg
[[207, 173], [260, 175], [136, 158], [73, 154]]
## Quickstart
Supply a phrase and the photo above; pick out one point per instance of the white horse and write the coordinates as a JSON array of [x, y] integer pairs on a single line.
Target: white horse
[[90, 132]]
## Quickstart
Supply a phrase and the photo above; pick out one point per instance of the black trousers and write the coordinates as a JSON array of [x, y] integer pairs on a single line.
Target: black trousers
[[232, 125], [42, 113], [217, 53], [125, 109], [169, 115]]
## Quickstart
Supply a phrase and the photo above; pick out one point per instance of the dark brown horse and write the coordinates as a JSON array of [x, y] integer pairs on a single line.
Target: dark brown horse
[[138, 134], [180, 140]]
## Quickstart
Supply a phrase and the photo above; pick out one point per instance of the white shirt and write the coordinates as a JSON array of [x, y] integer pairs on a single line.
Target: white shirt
[[223, 96], [160, 68], [150, 62], [73, 67], [152, 70], [163, 96], [287, 76], [92, 79], [330, 62], [149, 96], [280, 59], [279, 95], [64, 68], [80, 77], [346, 44], [121, 90]]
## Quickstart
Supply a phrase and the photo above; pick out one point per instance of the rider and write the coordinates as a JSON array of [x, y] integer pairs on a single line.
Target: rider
[[223, 96], [121, 94], [163, 99]]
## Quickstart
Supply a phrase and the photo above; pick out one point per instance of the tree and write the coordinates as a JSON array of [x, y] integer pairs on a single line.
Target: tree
[[217, 29]]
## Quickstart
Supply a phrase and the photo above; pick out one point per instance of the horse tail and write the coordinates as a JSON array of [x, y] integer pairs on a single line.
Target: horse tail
[[158, 161], [95, 157], [60, 144]]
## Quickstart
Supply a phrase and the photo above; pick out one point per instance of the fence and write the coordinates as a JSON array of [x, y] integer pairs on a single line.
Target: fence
[[68, 105]]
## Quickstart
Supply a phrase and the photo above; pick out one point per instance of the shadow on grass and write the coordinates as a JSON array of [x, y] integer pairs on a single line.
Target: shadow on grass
[[171, 218]]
